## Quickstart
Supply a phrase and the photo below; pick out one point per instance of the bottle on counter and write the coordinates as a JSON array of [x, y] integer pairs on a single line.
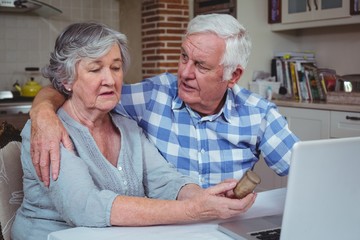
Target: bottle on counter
[[269, 93]]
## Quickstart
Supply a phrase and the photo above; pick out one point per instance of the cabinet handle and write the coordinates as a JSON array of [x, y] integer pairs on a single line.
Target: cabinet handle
[[316, 5], [308, 4], [352, 118]]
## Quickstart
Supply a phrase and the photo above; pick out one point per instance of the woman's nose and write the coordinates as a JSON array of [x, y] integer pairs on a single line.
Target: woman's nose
[[108, 77]]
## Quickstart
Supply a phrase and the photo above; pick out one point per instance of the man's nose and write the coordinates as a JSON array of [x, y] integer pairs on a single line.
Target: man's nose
[[188, 70]]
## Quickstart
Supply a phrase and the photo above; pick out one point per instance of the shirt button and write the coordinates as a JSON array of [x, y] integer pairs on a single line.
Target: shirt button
[[120, 168], [202, 151], [125, 182]]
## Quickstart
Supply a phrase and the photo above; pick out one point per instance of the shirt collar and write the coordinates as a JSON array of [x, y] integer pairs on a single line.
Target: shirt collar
[[177, 103], [225, 111]]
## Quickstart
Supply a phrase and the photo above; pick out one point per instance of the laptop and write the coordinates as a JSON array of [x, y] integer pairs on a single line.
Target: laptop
[[322, 197]]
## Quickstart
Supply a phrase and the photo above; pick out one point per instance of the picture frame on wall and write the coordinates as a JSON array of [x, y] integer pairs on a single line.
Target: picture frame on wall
[[354, 7], [274, 11]]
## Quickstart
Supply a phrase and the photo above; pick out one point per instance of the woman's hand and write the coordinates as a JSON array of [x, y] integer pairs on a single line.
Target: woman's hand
[[193, 204], [211, 203], [230, 193]]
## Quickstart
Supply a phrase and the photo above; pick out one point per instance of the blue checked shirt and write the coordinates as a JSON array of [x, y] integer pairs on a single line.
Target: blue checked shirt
[[212, 148]]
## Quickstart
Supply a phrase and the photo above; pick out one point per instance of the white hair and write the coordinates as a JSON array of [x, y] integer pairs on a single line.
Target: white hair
[[237, 40]]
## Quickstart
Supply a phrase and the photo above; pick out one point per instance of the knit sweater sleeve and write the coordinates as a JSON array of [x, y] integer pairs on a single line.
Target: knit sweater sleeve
[[78, 200]]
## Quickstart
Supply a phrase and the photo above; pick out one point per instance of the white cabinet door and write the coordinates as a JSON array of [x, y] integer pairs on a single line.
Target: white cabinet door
[[269, 179], [345, 124], [312, 10], [308, 124]]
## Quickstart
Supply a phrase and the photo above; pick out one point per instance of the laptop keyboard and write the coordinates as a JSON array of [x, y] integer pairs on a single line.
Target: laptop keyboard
[[269, 234]]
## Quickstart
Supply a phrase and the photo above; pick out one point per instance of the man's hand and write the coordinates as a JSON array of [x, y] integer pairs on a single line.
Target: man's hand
[[47, 131]]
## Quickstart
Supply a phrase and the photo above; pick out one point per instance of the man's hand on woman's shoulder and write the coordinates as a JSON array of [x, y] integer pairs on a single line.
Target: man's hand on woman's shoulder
[[47, 132]]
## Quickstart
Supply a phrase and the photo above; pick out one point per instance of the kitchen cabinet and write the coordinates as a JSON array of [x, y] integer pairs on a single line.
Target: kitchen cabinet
[[344, 124], [311, 124], [311, 10], [301, 14], [307, 124]]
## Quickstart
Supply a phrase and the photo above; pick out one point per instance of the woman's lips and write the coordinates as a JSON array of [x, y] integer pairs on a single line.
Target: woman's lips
[[105, 94]]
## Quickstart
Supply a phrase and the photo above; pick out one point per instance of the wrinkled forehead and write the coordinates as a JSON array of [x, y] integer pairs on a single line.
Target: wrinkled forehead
[[204, 45]]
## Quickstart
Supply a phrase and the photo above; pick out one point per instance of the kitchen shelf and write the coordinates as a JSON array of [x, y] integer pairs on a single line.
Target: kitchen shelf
[[284, 15], [277, 27]]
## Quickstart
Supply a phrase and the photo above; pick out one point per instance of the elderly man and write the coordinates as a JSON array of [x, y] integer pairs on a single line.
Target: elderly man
[[201, 121]]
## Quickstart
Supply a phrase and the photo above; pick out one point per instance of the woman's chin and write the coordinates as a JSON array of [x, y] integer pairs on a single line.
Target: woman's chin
[[107, 106]]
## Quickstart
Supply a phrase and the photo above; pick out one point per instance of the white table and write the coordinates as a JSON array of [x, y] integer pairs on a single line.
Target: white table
[[267, 203]]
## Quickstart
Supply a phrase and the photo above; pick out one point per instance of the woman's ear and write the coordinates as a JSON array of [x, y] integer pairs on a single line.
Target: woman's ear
[[235, 76], [67, 86]]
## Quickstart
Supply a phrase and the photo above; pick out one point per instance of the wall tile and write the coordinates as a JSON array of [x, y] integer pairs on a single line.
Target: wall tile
[[26, 41]]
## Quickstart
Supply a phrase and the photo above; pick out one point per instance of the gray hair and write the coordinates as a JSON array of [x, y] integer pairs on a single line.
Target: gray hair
[[237, 40], [79, 41]]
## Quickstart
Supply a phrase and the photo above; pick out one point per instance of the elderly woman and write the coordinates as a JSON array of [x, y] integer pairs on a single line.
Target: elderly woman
[[115, 176]]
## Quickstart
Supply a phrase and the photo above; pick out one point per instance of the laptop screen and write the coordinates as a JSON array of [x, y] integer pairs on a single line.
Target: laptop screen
[[322, 194]]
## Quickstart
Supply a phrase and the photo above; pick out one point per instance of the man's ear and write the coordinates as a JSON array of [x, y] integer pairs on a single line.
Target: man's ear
[[235, 76]]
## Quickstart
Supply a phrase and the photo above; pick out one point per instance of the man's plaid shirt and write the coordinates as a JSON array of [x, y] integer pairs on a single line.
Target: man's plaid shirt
[[212, 148]]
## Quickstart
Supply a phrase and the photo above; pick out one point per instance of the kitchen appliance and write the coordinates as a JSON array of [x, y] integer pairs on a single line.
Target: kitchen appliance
[[6, 95], [29, 89], [34, 7]]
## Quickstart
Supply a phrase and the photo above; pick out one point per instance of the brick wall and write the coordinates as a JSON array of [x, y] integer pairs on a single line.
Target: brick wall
[[163, 24]]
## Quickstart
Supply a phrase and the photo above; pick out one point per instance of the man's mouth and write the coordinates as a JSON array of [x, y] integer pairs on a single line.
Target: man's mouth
[[187, 87]]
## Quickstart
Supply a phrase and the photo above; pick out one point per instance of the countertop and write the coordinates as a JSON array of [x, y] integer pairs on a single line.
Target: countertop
[[317, 105]]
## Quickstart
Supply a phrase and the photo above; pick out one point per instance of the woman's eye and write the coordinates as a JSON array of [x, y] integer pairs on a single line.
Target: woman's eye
[[116, 68], [95, 70]]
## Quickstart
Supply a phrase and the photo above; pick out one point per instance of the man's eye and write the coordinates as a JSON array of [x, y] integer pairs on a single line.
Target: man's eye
[[94, 70], [184, 57], [202, 68]]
